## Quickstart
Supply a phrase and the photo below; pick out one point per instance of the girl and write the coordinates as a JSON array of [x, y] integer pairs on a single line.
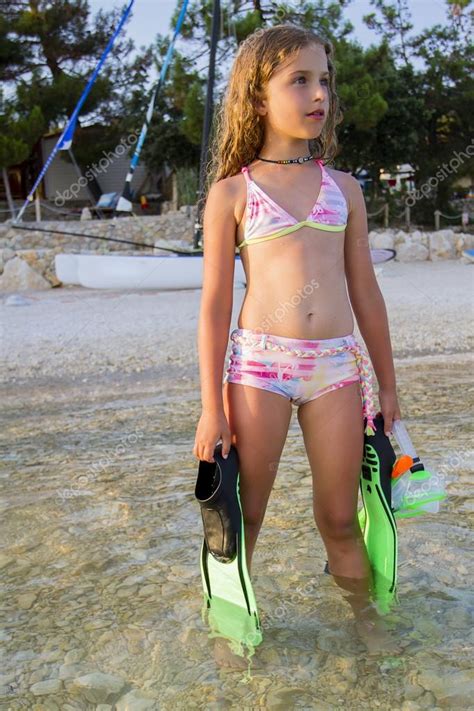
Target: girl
[[301, 229]]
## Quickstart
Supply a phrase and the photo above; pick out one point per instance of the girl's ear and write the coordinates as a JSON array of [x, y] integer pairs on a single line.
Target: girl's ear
[[261, 107], [260, 103]]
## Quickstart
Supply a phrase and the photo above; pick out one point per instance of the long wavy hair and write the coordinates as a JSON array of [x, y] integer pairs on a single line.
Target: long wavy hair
[[238, 130]]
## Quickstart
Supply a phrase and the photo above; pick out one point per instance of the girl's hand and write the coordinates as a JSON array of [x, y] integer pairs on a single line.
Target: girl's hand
[[212, 427], [389, 407]]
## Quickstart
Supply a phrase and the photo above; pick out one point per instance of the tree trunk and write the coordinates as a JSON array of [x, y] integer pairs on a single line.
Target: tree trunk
[[6, 182]]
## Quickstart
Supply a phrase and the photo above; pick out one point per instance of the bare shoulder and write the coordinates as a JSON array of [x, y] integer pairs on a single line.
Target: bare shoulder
[[219, 223], [231, 190], [222, 188], [349, 185], [238, 188]]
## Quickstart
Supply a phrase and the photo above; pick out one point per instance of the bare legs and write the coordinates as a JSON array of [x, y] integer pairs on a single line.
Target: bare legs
[[332, 429], [259, 422]]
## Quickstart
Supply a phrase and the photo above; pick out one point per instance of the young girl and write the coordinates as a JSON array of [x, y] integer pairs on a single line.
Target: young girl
[[301, 229]]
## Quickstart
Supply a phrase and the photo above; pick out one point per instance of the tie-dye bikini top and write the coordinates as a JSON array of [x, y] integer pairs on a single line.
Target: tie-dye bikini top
[[267, 220]]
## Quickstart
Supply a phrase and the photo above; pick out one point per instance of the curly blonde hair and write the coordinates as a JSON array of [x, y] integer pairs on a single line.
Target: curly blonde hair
[[238, 132]]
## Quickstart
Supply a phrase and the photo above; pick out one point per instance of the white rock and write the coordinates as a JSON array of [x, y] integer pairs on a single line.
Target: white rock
[[71, 670], [26, 600], [464, 241], [49, 686], [8, 254], [17, 300], [448, 233], [412, 691], [18, 275], [134, 701], [419, 237], [86, 214], [96, 687], [4, 561], [442, 245], [73, 656], [400, 238], [411, 252], [383, 240], [445, 686]]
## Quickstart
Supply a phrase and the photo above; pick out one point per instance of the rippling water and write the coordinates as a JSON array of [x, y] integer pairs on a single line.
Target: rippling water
[[101, 535]]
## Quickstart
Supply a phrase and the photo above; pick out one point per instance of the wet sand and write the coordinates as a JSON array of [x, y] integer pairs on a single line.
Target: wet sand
[[101, 532]]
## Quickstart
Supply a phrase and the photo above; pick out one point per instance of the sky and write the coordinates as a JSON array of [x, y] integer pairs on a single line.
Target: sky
[[151, 17]]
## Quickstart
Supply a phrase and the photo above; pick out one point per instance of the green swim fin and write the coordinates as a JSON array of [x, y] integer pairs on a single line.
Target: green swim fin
[[228, 594], [376, 517]]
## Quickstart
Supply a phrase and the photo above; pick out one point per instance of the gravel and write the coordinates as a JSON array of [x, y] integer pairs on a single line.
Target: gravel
[[71, 332]]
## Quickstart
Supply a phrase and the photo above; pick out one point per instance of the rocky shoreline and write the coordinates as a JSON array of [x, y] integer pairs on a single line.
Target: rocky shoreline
[[74, 332], [27, 258]]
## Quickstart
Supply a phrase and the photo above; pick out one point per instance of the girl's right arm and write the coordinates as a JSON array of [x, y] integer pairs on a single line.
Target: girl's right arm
[[215, 315]]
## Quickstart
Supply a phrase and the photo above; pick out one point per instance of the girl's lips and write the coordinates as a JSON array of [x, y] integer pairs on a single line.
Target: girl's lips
[[316, 116]]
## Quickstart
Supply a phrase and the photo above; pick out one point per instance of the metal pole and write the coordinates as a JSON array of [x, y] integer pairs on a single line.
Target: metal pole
[[208, 111]]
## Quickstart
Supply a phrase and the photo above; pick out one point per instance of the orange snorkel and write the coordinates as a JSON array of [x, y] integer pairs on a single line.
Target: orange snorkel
[[402, 465]]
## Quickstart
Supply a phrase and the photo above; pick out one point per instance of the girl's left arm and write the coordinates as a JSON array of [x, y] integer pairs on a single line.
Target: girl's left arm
[[368, 303]]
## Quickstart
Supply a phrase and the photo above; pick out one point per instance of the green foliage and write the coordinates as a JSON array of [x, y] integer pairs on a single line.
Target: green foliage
[[18, 135], [187, 184], [48, 50], [175, 133], [407, 98]]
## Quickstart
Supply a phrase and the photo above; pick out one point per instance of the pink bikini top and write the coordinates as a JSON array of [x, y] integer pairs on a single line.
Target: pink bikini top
[[267, 220]]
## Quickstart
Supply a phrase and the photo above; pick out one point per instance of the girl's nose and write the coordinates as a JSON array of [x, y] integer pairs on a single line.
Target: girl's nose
[[320, 92]]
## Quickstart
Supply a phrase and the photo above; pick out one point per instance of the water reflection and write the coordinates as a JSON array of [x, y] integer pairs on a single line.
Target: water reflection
[[101, 535]]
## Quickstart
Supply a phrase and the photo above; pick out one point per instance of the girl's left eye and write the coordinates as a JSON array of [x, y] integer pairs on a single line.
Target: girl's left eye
[[302, 77]]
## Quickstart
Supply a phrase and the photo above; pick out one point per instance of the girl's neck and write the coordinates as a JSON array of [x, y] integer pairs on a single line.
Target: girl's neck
[[277, 151]]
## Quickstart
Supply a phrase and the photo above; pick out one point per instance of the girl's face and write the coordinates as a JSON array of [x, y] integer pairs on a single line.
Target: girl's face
[[297, 88]]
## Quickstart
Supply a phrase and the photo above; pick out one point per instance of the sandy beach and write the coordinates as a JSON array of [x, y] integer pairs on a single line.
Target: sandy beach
[[101, 531], [74, 332]]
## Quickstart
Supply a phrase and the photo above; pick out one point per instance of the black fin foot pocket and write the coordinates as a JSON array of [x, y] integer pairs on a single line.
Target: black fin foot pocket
[[216, 491]]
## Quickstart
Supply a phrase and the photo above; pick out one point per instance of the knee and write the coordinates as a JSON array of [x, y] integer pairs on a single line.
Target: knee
[[337, 526], [253, 521]]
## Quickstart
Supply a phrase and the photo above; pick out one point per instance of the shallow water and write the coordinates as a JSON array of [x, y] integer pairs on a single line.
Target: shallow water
[[100, 560]]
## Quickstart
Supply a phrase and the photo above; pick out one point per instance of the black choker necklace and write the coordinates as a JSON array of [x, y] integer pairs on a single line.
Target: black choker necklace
[[289, 160]]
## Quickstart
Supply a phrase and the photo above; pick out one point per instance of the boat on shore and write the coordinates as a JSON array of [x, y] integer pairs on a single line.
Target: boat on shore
[[179, 270], [114, 271]]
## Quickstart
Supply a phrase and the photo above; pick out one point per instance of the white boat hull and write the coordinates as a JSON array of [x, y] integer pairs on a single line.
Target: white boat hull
[[66, 268], [115, 271], [111, 271]]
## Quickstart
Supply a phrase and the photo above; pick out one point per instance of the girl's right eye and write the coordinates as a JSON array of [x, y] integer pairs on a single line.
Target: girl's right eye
[[326, 80]]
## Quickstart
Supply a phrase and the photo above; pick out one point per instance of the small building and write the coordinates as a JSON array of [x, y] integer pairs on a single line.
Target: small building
[[403, 178], [61, 185]]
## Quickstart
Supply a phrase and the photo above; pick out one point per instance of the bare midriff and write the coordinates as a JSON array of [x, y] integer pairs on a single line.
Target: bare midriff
[[296, 285]]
